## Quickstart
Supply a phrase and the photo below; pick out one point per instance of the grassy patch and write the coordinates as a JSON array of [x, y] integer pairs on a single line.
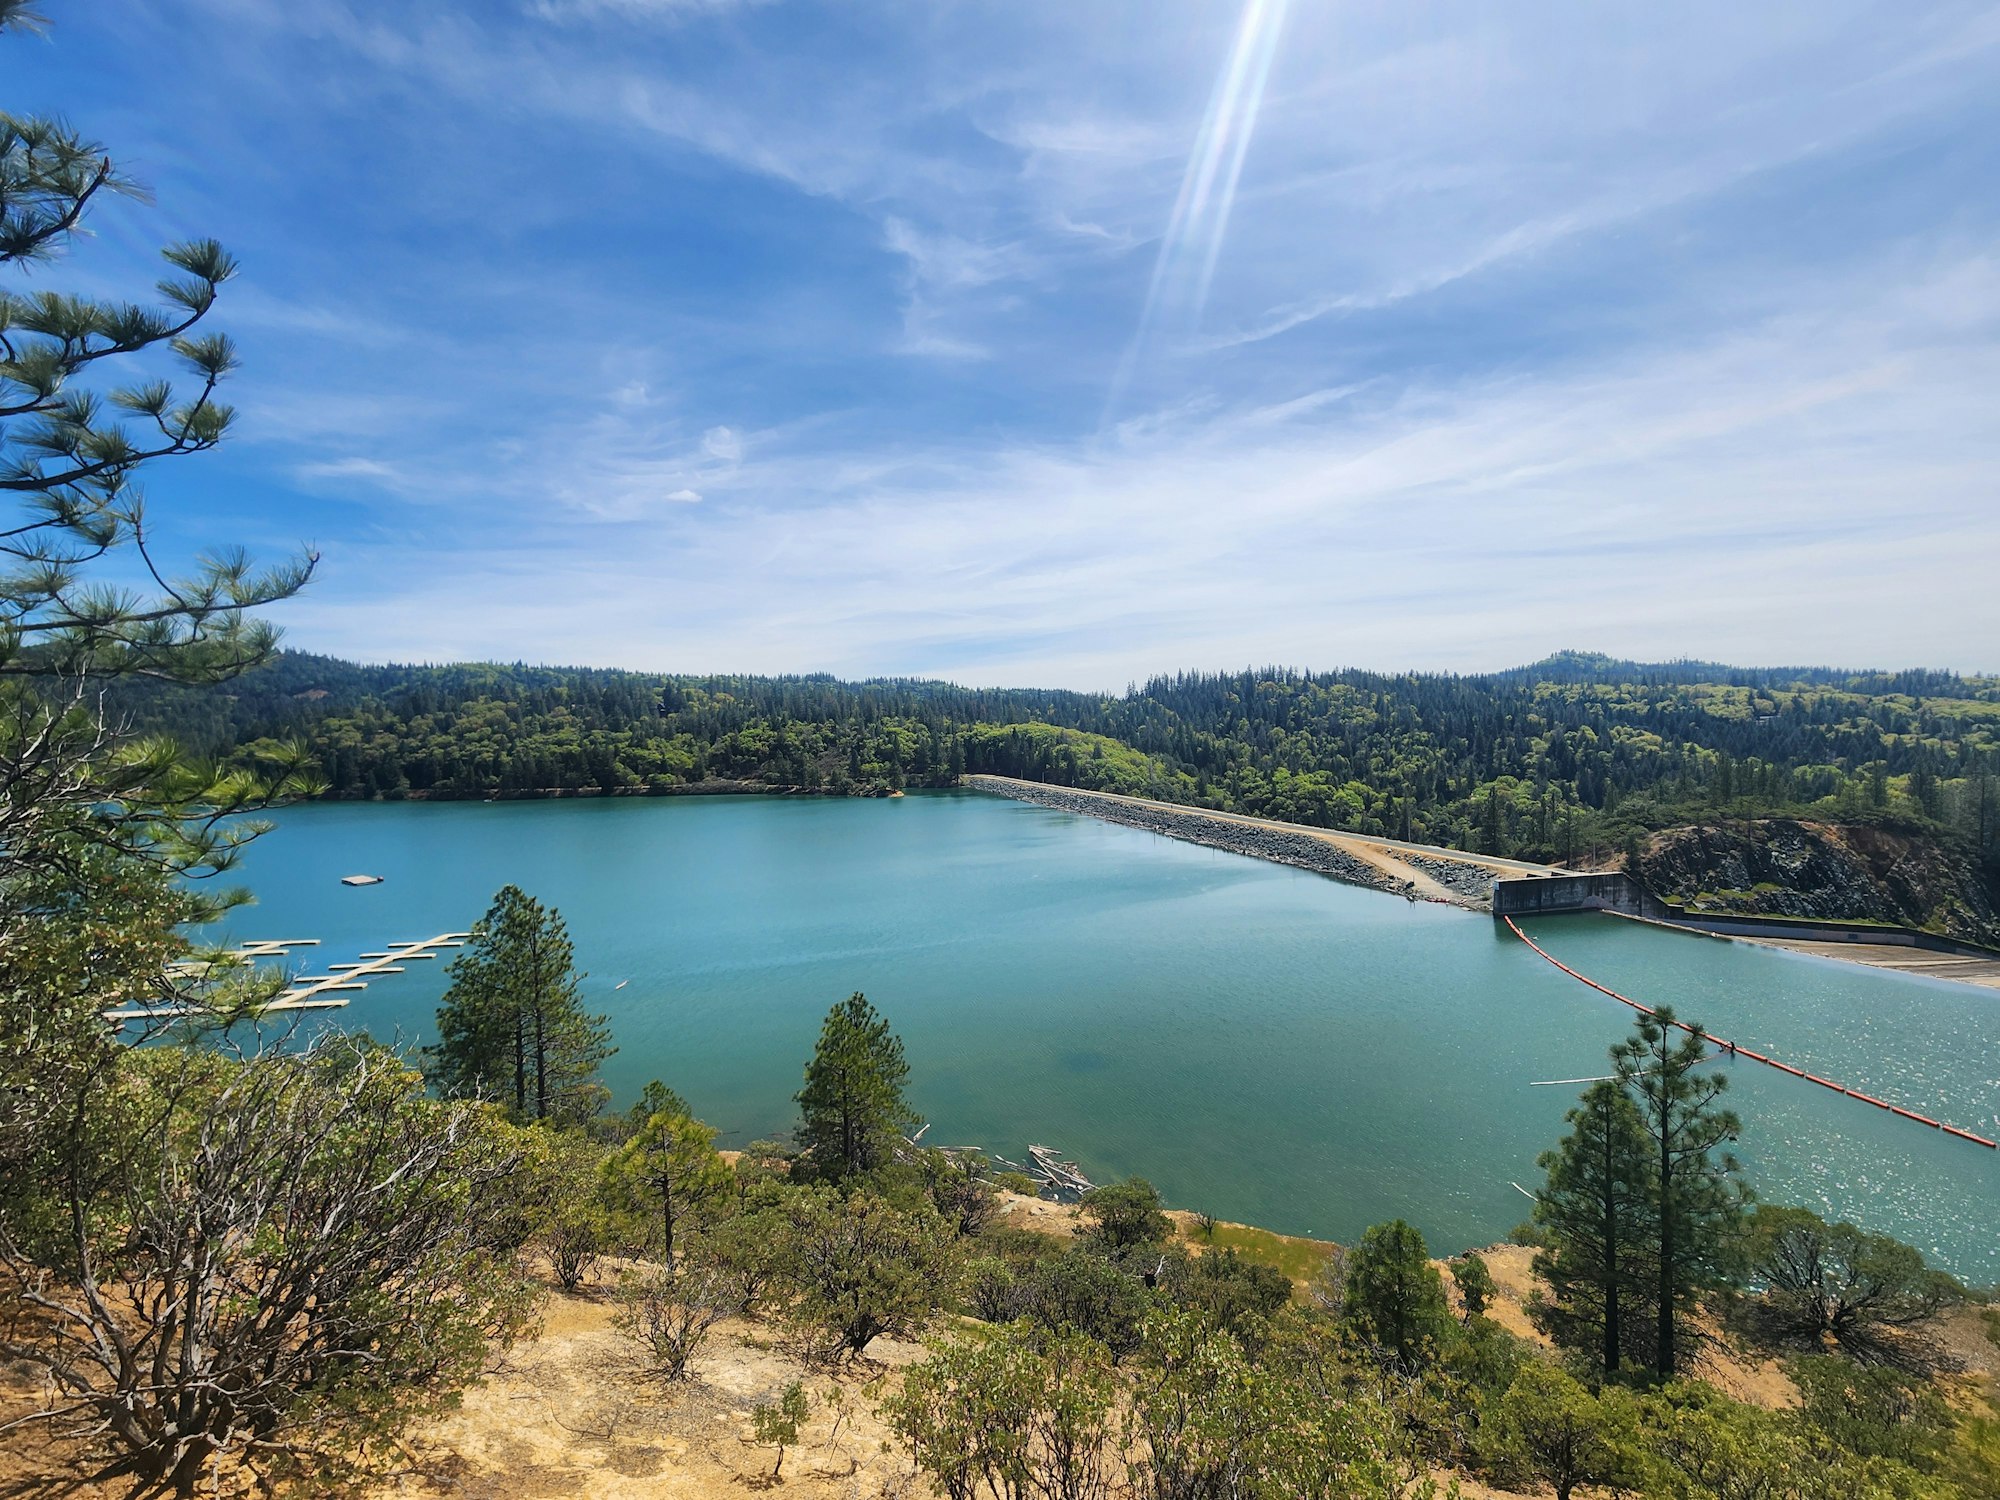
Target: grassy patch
[[1300, 1259]]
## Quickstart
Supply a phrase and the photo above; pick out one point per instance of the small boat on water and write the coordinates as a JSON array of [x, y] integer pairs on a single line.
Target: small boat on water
[[621, 984], [361, 880]]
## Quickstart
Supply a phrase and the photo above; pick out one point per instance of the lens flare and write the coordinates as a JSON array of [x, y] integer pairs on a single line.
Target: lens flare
[[1192, 245]]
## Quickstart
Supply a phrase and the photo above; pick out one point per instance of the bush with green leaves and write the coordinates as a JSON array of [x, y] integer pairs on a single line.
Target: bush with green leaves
[[1076, 1290], [991, 1289], [855, 1269], [1873, 1411], [1867, 1293], [670, 1313], [1206, 1420], [1486, 1357], [1548, 1428], [563, 1201], [1694, 1443], [746, 1247], [1126, 1215], [1228, 1292], [1017, 1412], [960, 1187], [777, 1423], [285, 1259]]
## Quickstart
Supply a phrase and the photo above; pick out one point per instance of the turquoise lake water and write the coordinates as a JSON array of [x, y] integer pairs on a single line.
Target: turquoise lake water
[[1265, 1044]]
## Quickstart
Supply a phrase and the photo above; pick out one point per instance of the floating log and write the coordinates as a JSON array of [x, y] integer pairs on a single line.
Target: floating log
[[1056, 1175]]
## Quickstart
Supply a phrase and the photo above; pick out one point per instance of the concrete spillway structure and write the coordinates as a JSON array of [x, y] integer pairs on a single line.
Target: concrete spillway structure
[[1549, 895]]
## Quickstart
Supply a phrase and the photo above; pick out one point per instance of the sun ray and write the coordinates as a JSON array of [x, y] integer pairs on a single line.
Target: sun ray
[[1192, 245]]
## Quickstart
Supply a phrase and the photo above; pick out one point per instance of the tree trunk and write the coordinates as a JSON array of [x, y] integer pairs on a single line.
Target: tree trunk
[[520, 1064], [540, 1000], [1665, 1361], [541, 1064], [1612, 1353]]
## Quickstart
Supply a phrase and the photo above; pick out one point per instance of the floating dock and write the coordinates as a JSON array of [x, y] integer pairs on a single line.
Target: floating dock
[[327, 991], [1730, 1049], [302, 991]]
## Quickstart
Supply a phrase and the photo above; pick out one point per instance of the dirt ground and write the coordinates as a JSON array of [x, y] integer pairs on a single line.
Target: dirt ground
[[571, 1411], [574, 1413]]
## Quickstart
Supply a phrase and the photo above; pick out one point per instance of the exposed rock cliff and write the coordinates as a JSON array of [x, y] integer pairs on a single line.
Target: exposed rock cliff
[[1779, 867]]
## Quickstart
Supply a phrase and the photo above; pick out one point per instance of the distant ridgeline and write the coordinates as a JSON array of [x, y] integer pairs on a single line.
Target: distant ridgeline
[[1575, 754]]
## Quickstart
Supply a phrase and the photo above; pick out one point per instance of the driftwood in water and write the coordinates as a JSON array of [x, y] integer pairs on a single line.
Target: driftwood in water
[[1060, 1180], [1056, 1179]]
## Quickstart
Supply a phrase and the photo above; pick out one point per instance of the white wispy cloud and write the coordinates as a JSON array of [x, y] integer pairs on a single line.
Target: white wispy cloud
[[1657, 331], [1733, 493], [647, 10]]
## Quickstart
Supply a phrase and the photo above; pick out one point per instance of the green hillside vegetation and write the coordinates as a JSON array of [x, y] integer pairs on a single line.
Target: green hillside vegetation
[[1573, 755]]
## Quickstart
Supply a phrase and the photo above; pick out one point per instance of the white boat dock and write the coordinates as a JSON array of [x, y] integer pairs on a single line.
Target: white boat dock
[[328, 991]]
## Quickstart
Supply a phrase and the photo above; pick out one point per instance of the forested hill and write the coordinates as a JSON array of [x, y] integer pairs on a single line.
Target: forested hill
[[1541, 761]]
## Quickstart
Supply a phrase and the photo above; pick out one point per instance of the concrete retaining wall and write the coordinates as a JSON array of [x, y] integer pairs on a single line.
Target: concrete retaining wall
[[1823, 931], [1620, 893], [1551, 894]]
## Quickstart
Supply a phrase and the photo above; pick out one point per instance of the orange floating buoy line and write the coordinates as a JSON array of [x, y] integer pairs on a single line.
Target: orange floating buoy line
[[1735, 1051]]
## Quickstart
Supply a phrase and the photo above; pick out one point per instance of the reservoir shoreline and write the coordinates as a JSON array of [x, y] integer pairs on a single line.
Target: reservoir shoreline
[[1420, 872], [1427, 873]]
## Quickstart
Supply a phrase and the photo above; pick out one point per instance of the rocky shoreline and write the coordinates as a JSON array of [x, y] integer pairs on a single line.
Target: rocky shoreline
[[1194, 825], [715, 787], [1472, 884]]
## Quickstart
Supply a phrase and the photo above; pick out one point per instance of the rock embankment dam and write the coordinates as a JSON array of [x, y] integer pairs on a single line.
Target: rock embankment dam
[[1420, 871]]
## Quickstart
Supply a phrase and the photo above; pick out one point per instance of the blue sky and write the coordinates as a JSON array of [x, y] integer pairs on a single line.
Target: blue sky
[[1059, 344]]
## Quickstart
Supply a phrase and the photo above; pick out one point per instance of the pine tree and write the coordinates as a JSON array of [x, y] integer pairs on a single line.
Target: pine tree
[[669, 1169], [1395, 1297], [1697, 1202], [86, 411], [511, 1025], [1597, 1210], [852, 1109]]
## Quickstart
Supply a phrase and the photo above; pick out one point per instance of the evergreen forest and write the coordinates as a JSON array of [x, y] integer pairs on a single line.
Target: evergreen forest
[[1573, 754]]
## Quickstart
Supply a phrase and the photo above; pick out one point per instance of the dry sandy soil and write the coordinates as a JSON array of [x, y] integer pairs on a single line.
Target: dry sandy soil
[[574, 1413]]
